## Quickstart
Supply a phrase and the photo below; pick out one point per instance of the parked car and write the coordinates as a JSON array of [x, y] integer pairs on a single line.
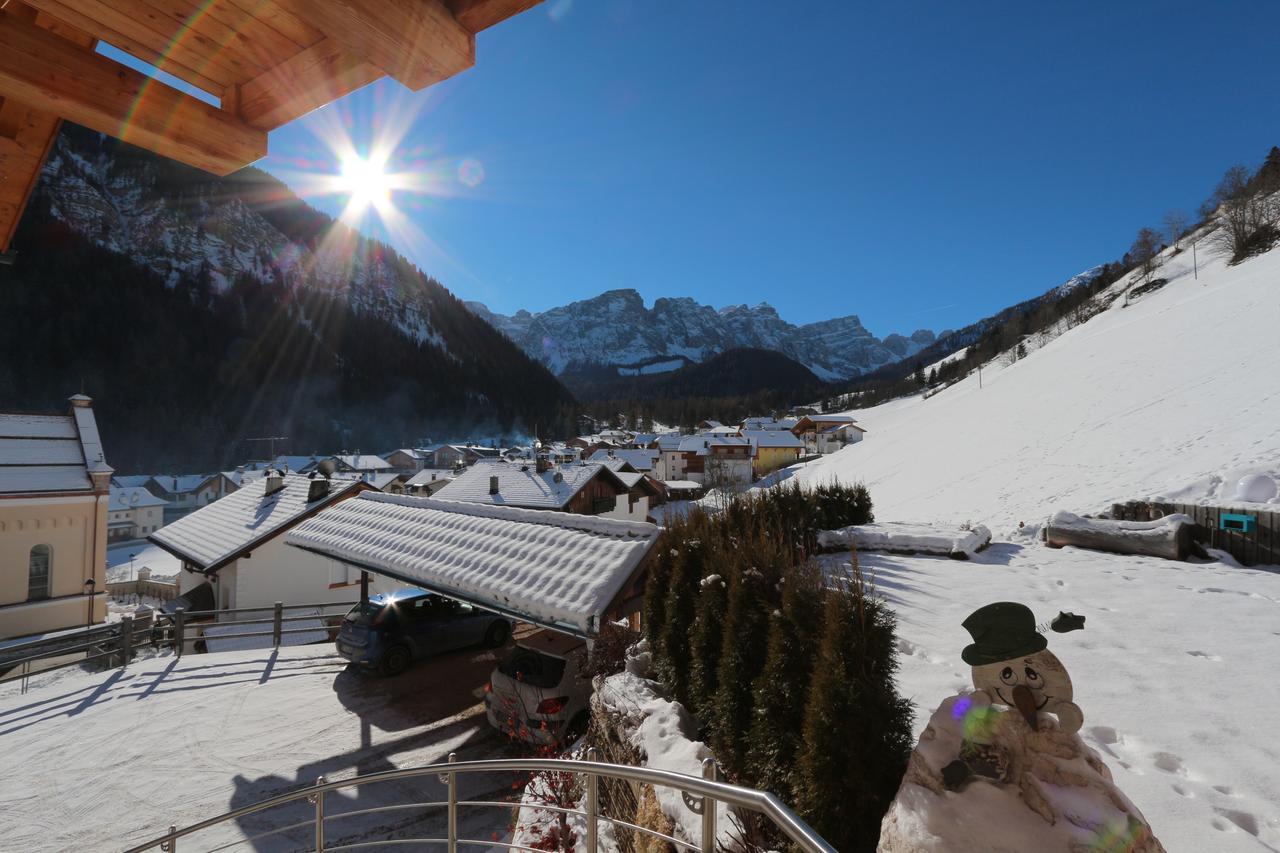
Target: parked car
[[538, 694], [388, 632]]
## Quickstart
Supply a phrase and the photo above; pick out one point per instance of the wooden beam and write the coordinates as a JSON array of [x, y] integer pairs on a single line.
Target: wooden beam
[[477, 15], [306, 81], [39, 67], [418, 42], [26, 135], [109, 24]]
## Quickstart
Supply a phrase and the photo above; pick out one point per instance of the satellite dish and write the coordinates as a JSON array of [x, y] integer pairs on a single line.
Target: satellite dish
[[327, 467]]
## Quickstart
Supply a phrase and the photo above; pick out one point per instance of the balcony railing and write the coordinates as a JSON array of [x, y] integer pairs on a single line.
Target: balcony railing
[[706, 793]]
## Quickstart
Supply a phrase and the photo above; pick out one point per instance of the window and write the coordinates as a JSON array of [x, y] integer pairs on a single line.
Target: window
[[38, 572]]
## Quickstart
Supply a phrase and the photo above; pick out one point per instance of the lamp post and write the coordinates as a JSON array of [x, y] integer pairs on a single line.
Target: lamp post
[[132, 576], [88, 591]]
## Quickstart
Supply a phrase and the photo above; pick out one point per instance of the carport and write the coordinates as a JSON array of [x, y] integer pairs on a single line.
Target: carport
[[559, 570]]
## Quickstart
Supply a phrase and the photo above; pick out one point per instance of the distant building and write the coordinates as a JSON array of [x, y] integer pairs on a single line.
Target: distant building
[[585, 489], [54, 493], [391, 482], [773, 449], [810, 427], [411, 460], [716, 460], [184, 493], [363, 465], [428, 481], [133, 513], [236, 545], [640, 460]]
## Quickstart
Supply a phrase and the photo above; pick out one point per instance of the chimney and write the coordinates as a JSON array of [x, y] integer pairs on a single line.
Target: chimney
[[317, 488], [274, 482], [493, 484], [542, 461]]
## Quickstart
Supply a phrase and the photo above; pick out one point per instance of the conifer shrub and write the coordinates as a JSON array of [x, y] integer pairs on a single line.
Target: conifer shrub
[[790, 675]]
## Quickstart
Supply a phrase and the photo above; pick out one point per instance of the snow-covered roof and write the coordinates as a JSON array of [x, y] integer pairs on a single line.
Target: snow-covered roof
[[129, 480], [831, 419], [702, 444], [641, 460], [772, 438], [216, 534], [364, 462], [841, 428], [721, 430], [519, 484], [132, 497], [428, 475], [670, 441], [178, 484], [682, 485], [643, 439], [50, 453], [557, 569], [381, 481]]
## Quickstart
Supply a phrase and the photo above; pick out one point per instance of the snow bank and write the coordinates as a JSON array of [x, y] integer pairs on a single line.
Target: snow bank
[[664, 731], [960, 543], [1168, 537]]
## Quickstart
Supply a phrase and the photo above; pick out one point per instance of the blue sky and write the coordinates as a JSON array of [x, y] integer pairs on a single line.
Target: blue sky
[[918, 164]]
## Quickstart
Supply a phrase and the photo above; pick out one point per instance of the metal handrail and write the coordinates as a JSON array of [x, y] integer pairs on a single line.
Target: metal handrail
[[709, 790]]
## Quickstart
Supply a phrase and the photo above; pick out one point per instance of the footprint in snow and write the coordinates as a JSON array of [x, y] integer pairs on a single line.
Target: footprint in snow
[[1244, 820], [1169, 763], [1196, 653], [1225, 789]]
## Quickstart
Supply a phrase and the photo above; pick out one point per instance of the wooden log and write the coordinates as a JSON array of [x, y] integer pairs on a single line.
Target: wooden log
[[1170, 537]]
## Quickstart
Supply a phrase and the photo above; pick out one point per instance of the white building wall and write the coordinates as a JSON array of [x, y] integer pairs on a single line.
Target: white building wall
[[625, 511], [279, 572]]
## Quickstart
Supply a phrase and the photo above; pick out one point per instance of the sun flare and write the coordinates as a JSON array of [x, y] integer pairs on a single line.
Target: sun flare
[[367, 183]]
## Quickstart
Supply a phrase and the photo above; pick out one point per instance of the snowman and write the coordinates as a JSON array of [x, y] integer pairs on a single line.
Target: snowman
[[1012, 666]]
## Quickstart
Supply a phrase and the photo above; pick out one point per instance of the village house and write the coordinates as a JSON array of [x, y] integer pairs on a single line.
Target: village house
[[236, 547], [54, 493], [643, 492], [391, 482], [768, 423], [716, 460], [669, 463], [643, 461], [811, 428], [773, 449], [411, 460], [428, 481], [184, 493], [584, 488], [132, 513], [363, 465]]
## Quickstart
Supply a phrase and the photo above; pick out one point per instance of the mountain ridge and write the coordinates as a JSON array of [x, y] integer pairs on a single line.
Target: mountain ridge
[[617, 328]]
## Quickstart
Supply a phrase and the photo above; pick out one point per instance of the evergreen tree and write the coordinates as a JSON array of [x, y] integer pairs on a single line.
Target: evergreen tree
[[742, 654], [777, 725], [857, 730], [707, 640], [688, 563]]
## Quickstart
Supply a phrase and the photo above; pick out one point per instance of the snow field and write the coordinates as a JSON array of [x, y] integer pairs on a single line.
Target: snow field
[[1172, 671]]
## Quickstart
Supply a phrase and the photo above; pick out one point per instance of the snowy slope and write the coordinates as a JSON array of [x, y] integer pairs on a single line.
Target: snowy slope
[[1174, 395]]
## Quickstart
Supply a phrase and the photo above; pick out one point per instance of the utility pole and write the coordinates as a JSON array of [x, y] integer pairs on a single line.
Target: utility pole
[[979, 377], [1195, 265]]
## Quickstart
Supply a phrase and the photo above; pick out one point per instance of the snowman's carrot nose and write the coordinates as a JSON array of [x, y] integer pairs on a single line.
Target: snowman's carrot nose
[[1026, 702]]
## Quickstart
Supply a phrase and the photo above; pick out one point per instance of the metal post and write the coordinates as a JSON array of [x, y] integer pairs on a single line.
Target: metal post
[[179, 624], [318, 799], [276, 621], [126, 640], [453, 806], [171, 845], [708, 809], [593, 802]]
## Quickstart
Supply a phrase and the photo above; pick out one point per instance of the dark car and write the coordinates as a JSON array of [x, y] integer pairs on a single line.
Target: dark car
[[388, 632]]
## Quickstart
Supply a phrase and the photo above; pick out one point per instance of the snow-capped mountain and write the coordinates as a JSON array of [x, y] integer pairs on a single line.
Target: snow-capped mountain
[[616, 328]]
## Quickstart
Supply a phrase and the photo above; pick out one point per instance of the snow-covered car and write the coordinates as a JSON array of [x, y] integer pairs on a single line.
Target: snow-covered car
[[389, 632], [538, 693]]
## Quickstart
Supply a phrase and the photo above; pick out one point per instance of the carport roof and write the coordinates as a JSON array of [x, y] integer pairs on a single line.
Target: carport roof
[[550, 568]]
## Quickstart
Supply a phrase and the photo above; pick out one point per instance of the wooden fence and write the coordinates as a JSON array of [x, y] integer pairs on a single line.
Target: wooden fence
[[1260, 546]]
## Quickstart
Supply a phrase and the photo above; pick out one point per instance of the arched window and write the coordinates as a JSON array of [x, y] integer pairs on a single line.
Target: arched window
[[39, 571]]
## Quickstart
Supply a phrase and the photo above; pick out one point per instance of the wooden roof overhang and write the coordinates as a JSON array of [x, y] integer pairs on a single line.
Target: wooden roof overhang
[[267, 62]]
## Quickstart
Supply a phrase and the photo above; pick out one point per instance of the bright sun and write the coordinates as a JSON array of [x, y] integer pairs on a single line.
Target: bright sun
[[367, 182]]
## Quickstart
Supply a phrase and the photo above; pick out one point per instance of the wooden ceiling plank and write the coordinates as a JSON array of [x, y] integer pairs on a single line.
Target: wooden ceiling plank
[[22, 156], [282, 21], [477, 15], [120, 31], [418, 42], [39, 67], [183, 23], [306, 81]]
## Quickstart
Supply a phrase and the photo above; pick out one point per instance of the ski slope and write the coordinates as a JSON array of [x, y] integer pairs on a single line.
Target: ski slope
[[1176, 395]]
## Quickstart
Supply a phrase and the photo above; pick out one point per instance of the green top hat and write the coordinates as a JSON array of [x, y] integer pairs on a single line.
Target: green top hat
[[1001, 631]]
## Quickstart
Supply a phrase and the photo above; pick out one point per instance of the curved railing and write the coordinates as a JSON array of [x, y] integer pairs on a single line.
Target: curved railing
[[702, 794]]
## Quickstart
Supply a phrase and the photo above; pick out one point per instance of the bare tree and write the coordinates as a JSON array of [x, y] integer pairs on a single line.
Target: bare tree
[[1175, 222], [1145, 255], [1245, 218]]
